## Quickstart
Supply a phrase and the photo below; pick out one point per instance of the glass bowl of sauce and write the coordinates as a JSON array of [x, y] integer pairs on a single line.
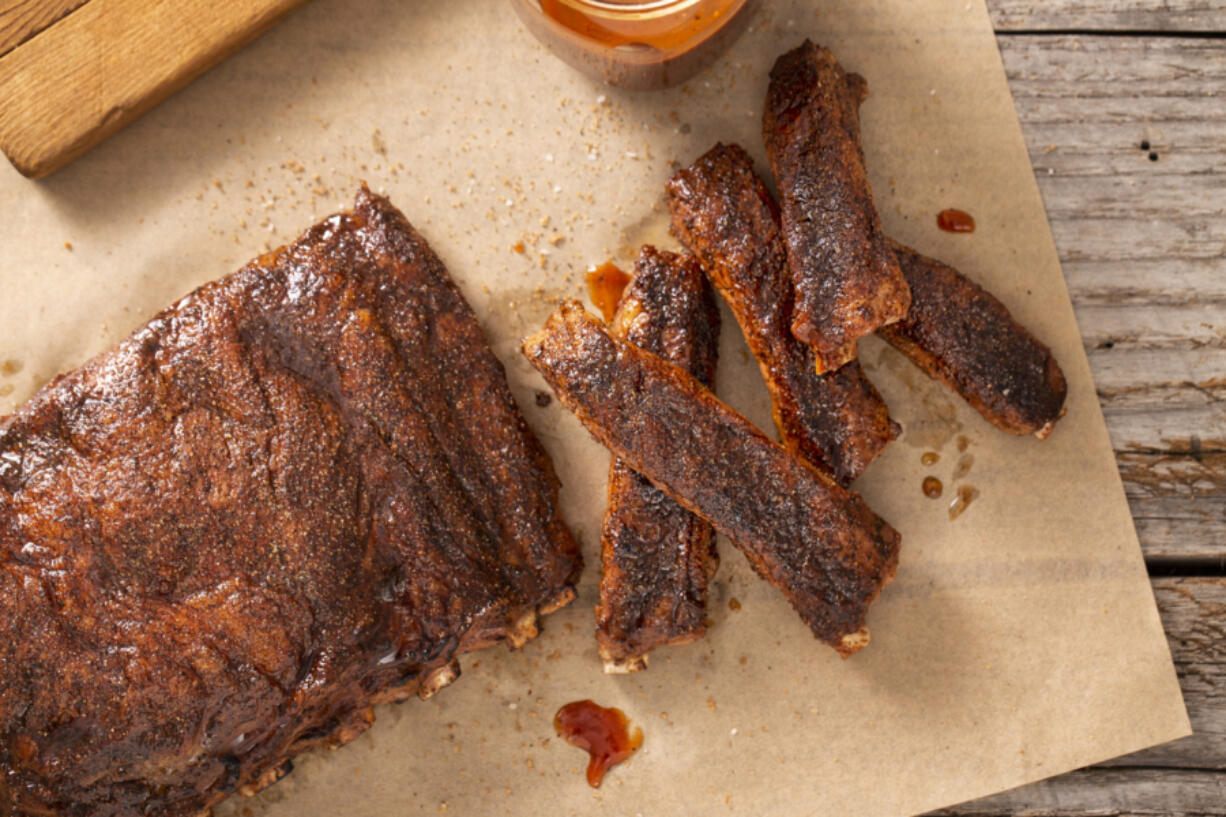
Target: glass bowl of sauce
[[636, 44]]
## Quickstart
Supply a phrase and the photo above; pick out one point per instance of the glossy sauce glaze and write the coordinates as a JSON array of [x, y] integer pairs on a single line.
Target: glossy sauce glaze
[[604, 733], [605, 285], [932, 487], [956, 221], [636, 44], [660, 29]]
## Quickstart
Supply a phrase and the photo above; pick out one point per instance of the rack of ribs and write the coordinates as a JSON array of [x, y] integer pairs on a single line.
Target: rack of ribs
[[302, 490], [846, 279], [723, 212], [657, 557], [964, 337], [814, 540]]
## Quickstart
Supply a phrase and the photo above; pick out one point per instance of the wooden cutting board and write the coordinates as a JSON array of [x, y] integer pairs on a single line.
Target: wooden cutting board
[[73, 72]]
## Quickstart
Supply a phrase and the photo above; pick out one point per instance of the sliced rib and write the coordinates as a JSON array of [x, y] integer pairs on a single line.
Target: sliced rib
[[846, 279], [723, 212], [961, 335], [811, 538], [657, 558]]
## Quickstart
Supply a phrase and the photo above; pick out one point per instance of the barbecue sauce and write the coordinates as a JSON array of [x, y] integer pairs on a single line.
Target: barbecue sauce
[[602, 733], [604, 286], [956, 221], [660, 30], [636, 44]]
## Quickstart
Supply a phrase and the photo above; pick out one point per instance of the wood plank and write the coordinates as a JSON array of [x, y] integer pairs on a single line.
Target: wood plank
[[1180, 778], [1143, 245], [22, 19], [1194, 616], [108, 62], [1109, 15], [1108, 793]]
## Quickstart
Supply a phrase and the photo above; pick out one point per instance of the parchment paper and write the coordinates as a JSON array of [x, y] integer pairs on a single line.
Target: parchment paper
[[1019, 641]]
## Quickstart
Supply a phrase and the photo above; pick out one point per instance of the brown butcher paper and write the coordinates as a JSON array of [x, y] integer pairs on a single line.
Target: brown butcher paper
[[1019, 640]]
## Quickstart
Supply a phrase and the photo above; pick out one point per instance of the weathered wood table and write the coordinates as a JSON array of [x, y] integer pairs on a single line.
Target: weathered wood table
[[1123, 103]]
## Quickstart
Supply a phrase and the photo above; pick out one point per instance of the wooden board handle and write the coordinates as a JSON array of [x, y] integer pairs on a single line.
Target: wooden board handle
[[84, 77]]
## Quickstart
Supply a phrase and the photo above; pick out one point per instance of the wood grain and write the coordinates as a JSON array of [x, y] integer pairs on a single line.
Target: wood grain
[[106, 63], [1109, 15], [1108, 793], [22, 19], [1143, 245], [1144, 252]]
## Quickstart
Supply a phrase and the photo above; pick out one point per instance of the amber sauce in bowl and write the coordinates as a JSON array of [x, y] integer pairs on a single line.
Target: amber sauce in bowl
[[639, 45]]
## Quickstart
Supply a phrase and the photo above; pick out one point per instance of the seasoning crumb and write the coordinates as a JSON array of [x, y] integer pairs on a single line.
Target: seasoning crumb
[[68, 246], [543, 399]]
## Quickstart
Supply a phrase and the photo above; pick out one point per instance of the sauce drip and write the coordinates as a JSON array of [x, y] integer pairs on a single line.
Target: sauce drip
[[932, 487], [602, 733], [956, 221], [604, 286], [963, 442], [661, 29], [930, 458], [964, 465], [966, 495]]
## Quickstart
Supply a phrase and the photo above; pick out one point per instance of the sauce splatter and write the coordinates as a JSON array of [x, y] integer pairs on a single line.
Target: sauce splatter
[[963, 442], [11, 367], [602, 733], [930, 458], [932, 487], [604, 286], [956, 221], [964, 465], [966, 495], [734, 603]]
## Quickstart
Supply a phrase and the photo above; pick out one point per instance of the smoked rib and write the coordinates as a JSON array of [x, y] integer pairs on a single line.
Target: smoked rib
[[847, 281], [656, 557], [961, 335], [724, 214], [814, 540], [302, 490]]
